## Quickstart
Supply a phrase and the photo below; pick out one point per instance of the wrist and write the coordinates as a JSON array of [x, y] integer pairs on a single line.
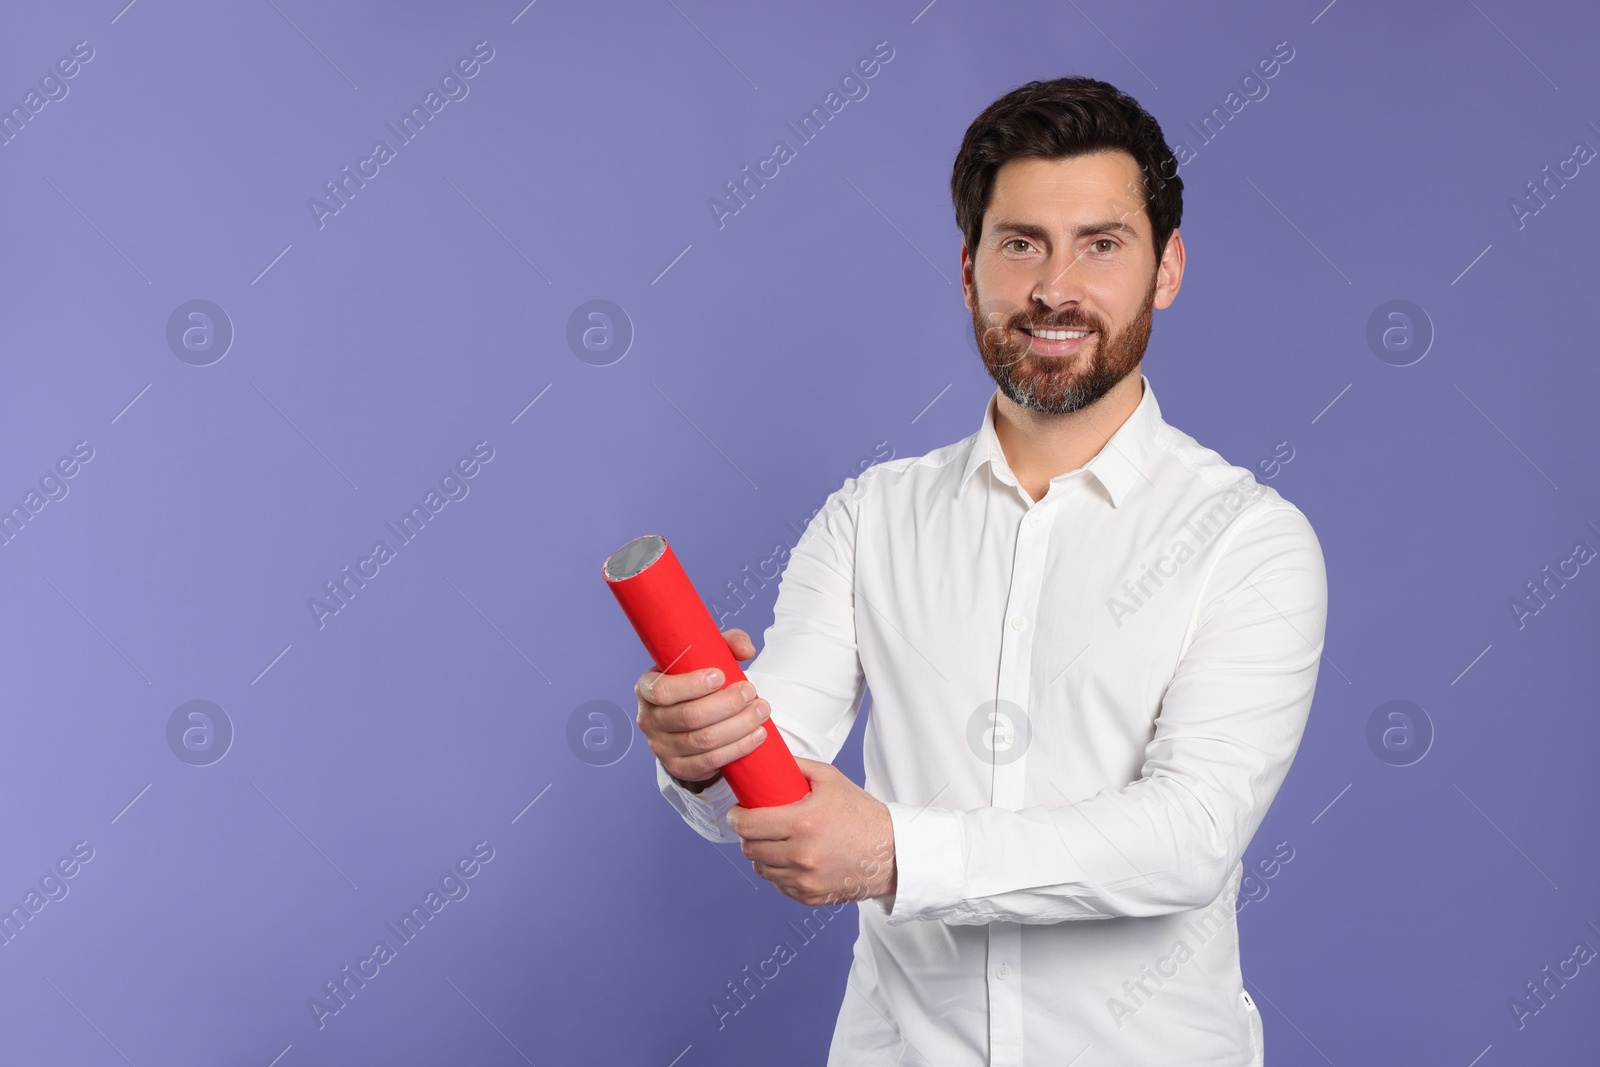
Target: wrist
[[700, 786], [884, 867]]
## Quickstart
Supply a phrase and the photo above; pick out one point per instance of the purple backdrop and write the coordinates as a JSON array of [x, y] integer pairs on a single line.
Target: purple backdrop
[[240, 344]]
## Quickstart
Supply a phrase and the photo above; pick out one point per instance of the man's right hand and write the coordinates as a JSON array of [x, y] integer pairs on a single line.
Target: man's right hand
[[694, 726]]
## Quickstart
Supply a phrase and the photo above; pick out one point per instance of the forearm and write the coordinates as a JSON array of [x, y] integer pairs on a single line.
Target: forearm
[[1152, 848]]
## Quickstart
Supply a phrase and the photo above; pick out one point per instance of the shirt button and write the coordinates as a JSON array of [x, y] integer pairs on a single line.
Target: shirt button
[[1018, 622], [1034, 521], [1002, 972]]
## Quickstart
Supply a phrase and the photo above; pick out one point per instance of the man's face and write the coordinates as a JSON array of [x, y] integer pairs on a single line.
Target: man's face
[[1066, 246]]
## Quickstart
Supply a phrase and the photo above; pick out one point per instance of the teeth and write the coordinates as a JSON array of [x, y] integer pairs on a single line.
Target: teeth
[[1059, 335]]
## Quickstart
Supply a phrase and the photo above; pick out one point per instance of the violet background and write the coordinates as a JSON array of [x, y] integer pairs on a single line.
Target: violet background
[[770, 357]]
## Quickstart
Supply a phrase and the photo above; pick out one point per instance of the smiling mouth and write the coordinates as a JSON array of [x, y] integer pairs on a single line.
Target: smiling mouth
[[1055, 335], [1051, 342]]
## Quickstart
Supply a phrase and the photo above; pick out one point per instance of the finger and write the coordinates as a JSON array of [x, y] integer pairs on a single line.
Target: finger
[[738, 729], [764, 824], [702, 765], [778, 876], [709, 722], [665, 690], [644, 687], [768, 853]]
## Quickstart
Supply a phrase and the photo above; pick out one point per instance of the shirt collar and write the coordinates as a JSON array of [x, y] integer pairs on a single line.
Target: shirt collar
[[1118, 466]]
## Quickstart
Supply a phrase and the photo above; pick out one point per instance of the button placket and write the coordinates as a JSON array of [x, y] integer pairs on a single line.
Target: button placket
[[1016, 655], [1005, 995], [1016, 666]]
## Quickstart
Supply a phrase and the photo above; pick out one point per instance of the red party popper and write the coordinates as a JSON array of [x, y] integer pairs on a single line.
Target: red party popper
[[678, 632]]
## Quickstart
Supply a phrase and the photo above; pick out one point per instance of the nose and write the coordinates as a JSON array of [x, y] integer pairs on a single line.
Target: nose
[[1058, 281]]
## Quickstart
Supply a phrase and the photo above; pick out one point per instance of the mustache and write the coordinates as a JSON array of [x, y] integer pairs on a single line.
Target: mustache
[[1070, 322]]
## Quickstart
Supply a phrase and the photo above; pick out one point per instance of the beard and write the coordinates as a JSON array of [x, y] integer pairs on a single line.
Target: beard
[[1056, 385]]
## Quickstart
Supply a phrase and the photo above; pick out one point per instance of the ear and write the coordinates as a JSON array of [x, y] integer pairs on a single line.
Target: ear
[[968, 282], [1169, 273]]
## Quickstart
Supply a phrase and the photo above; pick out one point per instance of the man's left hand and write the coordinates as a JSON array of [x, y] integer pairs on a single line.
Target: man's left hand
[[834, 844]]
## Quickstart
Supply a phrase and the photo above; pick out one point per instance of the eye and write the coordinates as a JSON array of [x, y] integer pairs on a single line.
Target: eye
[[1106, 241], [1014, 240]]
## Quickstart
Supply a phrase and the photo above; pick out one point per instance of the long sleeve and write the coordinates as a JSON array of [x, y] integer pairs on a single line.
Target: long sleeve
[[1228, 728], [808, 669]]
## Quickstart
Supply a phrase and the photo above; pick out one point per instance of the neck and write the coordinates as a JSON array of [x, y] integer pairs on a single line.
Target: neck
[[1038, 446]]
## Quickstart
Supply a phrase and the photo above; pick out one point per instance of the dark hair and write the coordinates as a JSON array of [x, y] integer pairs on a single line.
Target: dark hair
[[1061, 119]]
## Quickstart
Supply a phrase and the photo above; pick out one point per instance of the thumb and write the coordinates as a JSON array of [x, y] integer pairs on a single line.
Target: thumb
[[817, 771], [739, 643]]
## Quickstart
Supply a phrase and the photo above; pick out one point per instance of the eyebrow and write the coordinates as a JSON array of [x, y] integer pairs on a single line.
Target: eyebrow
[[1033, 228]]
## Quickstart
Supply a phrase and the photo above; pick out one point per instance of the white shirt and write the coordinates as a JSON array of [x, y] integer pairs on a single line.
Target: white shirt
[[1149, 633]]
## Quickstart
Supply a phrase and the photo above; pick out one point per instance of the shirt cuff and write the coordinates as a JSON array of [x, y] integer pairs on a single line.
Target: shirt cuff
[[706, 810], [929, 858]]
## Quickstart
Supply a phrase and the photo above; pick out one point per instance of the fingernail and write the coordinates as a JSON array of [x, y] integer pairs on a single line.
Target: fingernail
[[760, 735], [713, 679], [763, 709], [747, 691]]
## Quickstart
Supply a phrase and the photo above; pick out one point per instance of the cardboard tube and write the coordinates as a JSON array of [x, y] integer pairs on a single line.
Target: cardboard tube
[[678, 632]]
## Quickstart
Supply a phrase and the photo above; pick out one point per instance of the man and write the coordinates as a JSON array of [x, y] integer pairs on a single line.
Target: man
[[1091, 644]]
